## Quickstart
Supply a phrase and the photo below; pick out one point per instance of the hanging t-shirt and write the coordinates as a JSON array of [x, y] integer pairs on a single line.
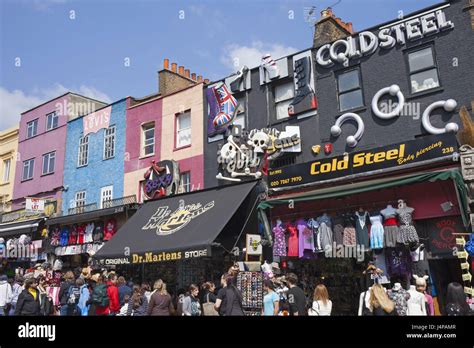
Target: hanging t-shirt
[[306, 241], [269, 303], [88, 233], [109, 229], [81, 230], [98, 235], [64, 236], [398, 262]]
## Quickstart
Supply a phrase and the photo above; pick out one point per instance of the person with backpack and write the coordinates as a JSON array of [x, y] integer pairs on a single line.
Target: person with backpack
[[123, 289], [84, 296], [191, 305], [100, 297], [74, 294], [138, 303], [64, 292], [46, 302], [229, 298], [28, 301]]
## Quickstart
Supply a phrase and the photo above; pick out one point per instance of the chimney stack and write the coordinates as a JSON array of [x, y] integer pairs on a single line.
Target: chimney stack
[[329, 28], [176, 79], [181, 70], [166, 63], [173, 67], [187, 73], [199, 78], [193, 76]]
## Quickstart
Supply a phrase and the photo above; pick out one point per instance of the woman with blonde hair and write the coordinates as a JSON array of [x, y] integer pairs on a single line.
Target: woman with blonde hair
[[380, 303], [322, 305], [160, 301]]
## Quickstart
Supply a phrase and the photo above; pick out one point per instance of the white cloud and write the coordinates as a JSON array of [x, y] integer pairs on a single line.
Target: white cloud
[[236, 56], [13, 103]]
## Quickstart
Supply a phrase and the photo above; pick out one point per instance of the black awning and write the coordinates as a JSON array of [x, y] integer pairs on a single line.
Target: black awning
[[175, 228], [84, 217], [17, 228]]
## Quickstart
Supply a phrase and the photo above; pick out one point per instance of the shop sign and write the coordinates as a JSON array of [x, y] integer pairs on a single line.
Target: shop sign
[[414, 152], [161, 179], [253, 244], [366, 42], [34, 205], [97, 120], [442, 241]]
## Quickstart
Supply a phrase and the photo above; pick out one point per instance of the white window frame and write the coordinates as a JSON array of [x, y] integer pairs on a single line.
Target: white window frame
[[7, 163], [411, 72], [109, 143], [31, 169], [33, 126], [283, 101], [53, 116], [187, 187], [146, 127], [106, 194], [179, 130], [83, 152], [47, 157], [80, 199]]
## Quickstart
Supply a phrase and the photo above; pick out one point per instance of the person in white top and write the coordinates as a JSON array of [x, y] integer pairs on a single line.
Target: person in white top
[[322, 305], [416, 303]]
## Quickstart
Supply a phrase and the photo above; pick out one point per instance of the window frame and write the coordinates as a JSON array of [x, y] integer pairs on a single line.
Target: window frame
[[48, 156], [107, 137], [35, 122], [6, 173], [178, 130], [276, 103], [56, 116], [32, 169], [188, 185], [145, 127], [103, 190], [407, 53], [360, 87], [83, 200], [83, 143]]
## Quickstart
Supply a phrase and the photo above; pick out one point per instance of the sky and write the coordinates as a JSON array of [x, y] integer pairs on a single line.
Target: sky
[[110, 49]]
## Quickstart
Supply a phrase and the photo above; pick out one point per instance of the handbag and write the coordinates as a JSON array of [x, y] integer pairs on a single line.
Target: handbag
[[208, 307], [314, 312]]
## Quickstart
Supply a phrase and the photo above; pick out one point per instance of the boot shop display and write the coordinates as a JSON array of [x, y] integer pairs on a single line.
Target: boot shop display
[[222, 109], [305, 98]]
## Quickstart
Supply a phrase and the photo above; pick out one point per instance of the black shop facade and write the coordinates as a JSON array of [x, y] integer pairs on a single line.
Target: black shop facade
[[394, 208]]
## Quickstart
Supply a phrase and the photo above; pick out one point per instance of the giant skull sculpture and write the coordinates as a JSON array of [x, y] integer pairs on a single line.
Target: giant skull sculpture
[[259, 141]]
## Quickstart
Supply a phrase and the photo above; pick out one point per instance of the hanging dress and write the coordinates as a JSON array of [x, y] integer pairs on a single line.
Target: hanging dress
[[313, 225], [306, 241], [349, 236], [408, 234], [293, 241], [376, 232], [325, 229], [362, 231], [390, 227], [338, 230], [279, 242]]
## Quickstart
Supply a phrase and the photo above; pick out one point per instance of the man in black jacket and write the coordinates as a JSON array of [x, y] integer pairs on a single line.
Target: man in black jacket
[[28, 301]]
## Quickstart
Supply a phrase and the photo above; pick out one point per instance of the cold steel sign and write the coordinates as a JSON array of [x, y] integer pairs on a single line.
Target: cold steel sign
[[393, 156]]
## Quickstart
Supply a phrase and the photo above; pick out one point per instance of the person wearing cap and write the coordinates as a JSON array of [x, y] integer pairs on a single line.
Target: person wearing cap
[[5, 295]]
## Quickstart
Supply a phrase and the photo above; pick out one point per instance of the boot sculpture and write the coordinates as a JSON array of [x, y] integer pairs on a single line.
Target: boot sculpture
[[222, 108], [305, 99], [270, 67], [240, 80]]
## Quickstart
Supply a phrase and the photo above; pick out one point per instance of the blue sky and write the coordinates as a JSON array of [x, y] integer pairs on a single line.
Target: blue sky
[[87, 54]]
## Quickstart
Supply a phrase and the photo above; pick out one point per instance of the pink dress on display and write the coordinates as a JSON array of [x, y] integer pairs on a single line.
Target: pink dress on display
[[293, 241]]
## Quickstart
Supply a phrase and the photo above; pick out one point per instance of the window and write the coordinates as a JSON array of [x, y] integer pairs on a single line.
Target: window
[[48, 163], [349, 90], [6, 170], [423, 70], [148, 136], [32, 128], [185, 182], [51, 121], [83, 154], [109, 143], [28, 169], [106, 195], [183, 129], [284, 95], [283, 162], [80, 199]]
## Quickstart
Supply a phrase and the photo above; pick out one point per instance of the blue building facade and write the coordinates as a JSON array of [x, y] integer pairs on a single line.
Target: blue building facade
[[94, 165]]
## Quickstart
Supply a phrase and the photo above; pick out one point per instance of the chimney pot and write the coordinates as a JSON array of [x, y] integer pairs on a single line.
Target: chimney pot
[[166, 63], [181, 70], [193, 76], [173, 67], [187, 73], [200, 78], [206, 81]]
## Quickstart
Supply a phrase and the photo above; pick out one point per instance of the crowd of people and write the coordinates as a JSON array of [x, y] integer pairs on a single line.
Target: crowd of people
[[107, 294]]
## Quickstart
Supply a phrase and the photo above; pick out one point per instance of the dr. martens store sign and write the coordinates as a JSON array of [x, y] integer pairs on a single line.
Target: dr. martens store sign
[[388, 157]]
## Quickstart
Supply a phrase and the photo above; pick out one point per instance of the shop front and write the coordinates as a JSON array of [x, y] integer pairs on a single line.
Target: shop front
[[185, 238], [397, 208]]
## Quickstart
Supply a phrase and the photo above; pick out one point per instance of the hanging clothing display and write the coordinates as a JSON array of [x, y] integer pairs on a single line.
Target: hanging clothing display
[[408, 234], [398, 262], [313, 225], [381, 263], [416, 302], [98, 233], [338, 230], [80, 234], [88, 233], [279, 242], [293, 241], [400, 297], [362, 231], [55, 236], [305, 237], [73, 235], [325, 230], [391, 230], [110, 229], [64, 236], [349, 234], [376, 232]]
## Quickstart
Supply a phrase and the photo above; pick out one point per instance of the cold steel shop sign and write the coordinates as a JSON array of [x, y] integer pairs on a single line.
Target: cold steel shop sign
[[393, 156]]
